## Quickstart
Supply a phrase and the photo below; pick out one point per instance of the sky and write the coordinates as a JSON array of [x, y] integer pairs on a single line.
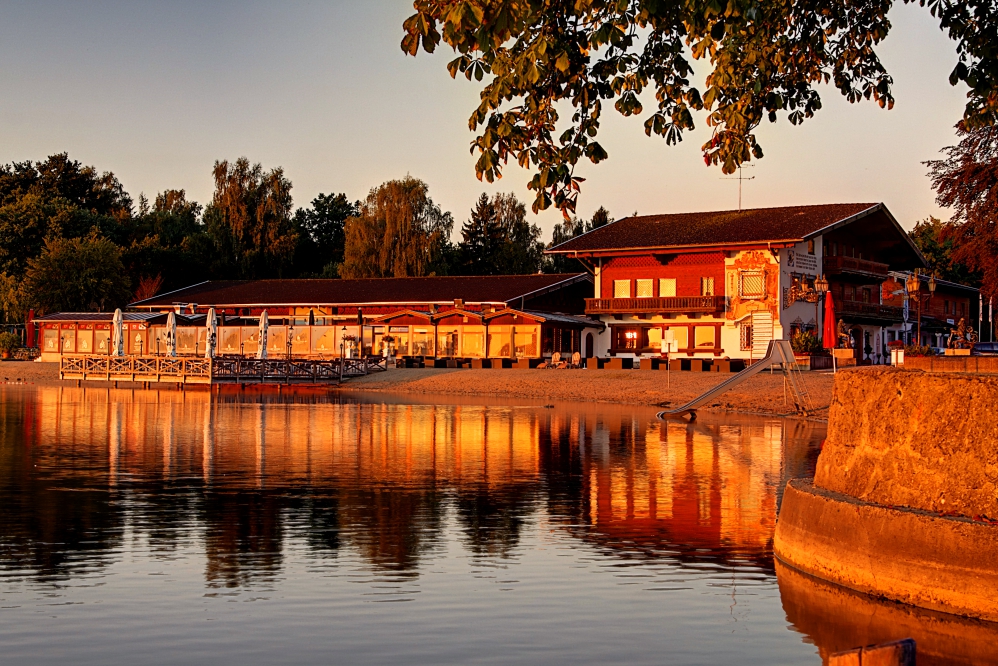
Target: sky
[[156, 92]]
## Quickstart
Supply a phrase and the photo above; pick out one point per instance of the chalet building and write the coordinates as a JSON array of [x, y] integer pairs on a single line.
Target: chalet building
[[723, 284], [521, 317]]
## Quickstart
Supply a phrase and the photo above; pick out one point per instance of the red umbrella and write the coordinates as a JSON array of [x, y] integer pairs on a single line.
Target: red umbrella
[[830, 331]]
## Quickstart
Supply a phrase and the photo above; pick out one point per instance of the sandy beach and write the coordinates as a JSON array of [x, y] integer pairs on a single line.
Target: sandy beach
[[762, 394]]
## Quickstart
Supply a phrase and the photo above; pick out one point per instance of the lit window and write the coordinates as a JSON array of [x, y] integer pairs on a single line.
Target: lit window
[[644, 288], [667, 287], [810, 247], [707, 286], [752, 285], [621, 288]]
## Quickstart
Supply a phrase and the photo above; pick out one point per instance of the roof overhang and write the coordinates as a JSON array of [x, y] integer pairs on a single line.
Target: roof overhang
[[878, 208]]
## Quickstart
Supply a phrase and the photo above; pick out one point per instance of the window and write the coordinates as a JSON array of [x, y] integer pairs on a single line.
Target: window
[[746, 336], [667, 287], [867, 295], [705, 336], [644, 288], [810, 247], [751, 284], [707, 286], [681, 337], [946, 307], [621, 288], [835, 249], [628, 338]]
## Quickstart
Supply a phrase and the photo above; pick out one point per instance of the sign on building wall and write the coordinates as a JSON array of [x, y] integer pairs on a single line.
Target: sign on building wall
[[802, 261]]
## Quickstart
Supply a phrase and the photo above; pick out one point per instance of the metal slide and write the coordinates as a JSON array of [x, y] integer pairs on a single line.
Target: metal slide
[[779, 353]]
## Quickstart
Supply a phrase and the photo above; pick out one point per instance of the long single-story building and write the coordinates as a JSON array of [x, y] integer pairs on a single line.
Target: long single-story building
[[526, 317]]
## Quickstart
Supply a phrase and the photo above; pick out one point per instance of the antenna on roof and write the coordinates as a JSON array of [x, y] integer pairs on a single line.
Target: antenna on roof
[[741, 178]]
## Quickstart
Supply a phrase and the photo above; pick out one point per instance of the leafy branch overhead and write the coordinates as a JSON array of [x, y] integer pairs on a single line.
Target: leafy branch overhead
[[766, 59]]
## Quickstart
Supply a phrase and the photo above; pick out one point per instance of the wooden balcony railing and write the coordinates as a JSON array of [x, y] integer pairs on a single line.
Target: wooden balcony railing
[[839, 265], [875, 310], [677, 304]]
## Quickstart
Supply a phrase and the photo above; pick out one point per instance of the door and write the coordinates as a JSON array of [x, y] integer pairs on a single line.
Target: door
[[589, 345]]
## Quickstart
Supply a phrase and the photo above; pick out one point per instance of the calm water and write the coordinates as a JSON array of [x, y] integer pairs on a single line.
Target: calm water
[[168, 527]]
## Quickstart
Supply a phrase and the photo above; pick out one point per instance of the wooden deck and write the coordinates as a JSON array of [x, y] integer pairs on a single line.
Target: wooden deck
[[220, 370]]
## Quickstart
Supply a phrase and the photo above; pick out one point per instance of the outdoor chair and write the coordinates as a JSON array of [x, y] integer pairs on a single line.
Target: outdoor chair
[[576, 360], [555, 360]]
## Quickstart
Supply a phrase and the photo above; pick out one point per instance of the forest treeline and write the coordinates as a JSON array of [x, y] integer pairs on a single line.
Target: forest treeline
[[72, 238]]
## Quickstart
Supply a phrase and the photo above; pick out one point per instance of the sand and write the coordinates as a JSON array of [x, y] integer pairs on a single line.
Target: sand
[[761, 394]]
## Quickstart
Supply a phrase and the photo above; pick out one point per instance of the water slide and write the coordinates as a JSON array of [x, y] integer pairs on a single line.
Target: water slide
[[779, 353]]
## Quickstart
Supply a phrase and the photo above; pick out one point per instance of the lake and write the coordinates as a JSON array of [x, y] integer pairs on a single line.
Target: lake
[[167, 527]]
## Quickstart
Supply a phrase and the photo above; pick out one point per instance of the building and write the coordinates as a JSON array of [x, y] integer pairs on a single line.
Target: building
[[723, 284], [523, 317]]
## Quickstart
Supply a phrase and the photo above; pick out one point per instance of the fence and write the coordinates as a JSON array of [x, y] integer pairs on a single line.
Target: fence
[[215, 370]]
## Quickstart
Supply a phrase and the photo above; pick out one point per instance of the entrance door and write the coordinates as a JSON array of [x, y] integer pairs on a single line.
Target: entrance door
[[857, 344], [589, 345]]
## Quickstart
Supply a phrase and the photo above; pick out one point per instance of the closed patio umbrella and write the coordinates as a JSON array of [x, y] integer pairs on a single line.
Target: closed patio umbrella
[[171, 334], [118, 334], [829, 332], [212, 334], [261, 350]]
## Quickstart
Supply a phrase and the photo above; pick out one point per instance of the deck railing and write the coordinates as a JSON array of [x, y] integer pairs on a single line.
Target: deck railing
[[677, 304], [224, 369]]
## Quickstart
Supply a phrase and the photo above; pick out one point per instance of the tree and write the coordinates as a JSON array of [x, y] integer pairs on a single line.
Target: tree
[[967, 182], [566, 231], [765, 60], [59, 177], [321, 233], [498, 240], [399, 232], [938, 241], [249, 220], [77, 275]]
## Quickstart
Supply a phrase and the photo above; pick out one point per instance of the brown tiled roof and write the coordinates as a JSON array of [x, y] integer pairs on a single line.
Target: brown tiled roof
[[100, 316], [471, 289], [757, 225]]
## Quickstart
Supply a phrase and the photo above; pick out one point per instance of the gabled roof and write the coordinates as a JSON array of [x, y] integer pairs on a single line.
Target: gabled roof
[[497, 289], [732, 227]]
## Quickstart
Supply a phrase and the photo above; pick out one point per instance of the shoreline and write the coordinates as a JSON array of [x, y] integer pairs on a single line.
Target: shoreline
[[761, 395]]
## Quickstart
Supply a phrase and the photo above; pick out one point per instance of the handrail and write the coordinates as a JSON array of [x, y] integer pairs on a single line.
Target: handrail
[[656, 304]]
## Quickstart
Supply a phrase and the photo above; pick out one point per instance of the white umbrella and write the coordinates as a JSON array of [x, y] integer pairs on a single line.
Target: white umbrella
[[261, 350], [212, 334], [118, 334], [171, 334]]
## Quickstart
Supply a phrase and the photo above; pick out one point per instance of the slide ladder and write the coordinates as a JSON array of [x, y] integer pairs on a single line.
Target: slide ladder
[[779, 353]]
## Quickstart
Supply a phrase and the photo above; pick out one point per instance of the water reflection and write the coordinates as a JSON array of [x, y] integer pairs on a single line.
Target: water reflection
[[79, 464], [310, 498]]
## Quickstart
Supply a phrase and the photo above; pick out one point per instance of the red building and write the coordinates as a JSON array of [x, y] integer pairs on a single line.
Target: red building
[[723, 284]]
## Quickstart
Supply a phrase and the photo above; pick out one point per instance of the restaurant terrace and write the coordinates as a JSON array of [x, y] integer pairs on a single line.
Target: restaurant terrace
[[442, 320]]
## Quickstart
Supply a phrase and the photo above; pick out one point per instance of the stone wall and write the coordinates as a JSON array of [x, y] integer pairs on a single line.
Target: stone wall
[[902, 437]]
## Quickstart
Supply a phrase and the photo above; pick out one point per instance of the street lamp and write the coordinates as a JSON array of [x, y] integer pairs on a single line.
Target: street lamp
[[914, 284], [821, 288]]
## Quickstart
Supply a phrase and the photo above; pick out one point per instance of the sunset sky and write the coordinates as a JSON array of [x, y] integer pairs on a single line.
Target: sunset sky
[[157, 91]]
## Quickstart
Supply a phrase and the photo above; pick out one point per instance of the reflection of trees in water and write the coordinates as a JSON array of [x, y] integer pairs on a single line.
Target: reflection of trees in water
[[51, 524], [391, 527], [492, 519], [243, 536]]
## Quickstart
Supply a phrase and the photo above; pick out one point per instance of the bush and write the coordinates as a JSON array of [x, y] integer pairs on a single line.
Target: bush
[[918, 350], [805, 342], [9, 341]]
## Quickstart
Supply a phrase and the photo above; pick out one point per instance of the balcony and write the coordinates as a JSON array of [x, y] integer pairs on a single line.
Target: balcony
[[673, 304], [872, 311], [853, 266]]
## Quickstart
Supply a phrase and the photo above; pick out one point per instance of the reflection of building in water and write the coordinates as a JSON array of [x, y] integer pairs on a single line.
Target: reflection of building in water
[[381, 480], [685, 490]]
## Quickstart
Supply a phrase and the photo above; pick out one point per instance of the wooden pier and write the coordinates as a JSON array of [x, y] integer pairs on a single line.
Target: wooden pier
[[219, 370]]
